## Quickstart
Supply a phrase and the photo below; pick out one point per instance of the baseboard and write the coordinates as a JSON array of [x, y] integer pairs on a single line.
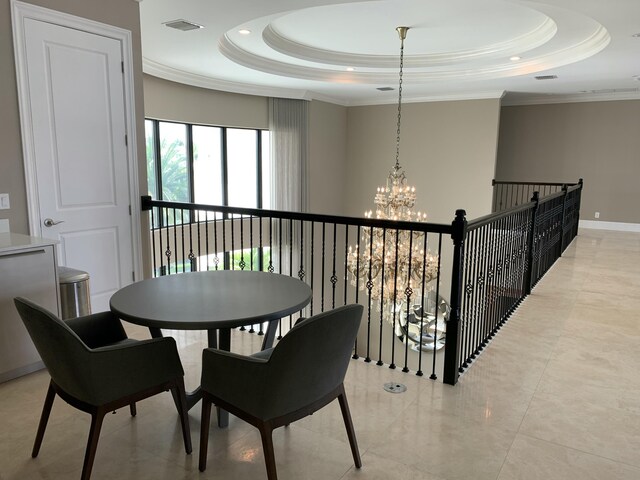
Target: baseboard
[[619, 226], [20, 371]]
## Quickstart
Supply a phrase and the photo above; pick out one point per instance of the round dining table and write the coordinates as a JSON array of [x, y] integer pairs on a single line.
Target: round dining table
[[216, 301]]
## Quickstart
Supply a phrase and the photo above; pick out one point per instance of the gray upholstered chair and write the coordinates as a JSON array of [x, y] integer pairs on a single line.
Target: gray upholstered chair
[[301, 374], [97, 369]]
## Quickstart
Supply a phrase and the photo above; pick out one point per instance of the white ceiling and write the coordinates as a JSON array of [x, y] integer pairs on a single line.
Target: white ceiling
[[455, 49]]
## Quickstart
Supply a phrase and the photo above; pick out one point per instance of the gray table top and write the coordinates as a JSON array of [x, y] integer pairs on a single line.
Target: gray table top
[[210, 300]]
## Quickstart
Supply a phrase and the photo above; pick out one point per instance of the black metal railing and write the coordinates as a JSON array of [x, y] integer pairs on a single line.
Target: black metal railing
[[431, 305], [512, 194]]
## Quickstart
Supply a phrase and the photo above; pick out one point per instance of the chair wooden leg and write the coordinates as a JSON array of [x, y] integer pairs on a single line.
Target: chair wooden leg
[[92, 443], [346, 415], [132, 409], [204, 432], [44, 418], [269, 454], [181, 400]]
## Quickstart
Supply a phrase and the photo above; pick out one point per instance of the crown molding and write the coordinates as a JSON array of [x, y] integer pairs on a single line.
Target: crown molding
[[522, 43], [570, 98], [453, 97], [179, 76]]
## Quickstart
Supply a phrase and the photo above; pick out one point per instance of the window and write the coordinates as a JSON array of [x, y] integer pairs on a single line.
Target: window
[[209, 165]]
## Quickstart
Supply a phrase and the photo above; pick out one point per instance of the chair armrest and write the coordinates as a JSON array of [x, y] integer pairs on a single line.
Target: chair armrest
[[236, 379], [123, 369], [98, 329]]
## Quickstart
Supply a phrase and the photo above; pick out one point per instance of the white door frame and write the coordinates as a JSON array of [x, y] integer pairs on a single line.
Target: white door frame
[[21, 11]]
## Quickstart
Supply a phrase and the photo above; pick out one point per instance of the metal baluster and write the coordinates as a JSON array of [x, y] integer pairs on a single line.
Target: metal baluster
[[469, 314], [408, 293], [153, 243], [422, 303], [216, 260], [290, 261], [280, 245], [382, 280], [175, 240], [433, 375], [182, 239], [232, 254], [322, 277], [167, 253], [393, 300], [334, 277], [301, 272], [369, 286], [313, 265], [261, 261], [251, 248], [243, 264]]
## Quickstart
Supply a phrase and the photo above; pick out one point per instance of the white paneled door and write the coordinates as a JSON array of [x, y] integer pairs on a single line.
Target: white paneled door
[[77, 108]]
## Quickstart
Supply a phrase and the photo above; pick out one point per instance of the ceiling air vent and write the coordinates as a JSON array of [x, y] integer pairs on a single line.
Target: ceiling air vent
[[546, 77], [182, 25], [384, 89]]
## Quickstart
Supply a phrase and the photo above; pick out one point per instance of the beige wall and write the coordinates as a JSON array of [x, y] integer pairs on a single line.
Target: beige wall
[[121, 13], [448, 151], [327, 158], [598, 141], [166, 100]]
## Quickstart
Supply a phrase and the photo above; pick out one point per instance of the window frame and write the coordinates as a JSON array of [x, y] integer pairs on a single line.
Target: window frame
[[189, 147]]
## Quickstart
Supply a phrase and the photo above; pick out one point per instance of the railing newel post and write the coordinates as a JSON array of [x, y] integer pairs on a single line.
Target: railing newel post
[[530, 240], [565, 189], [454, 337]]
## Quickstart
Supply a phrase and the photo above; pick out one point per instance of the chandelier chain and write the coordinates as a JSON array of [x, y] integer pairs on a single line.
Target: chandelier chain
[[397, 167]]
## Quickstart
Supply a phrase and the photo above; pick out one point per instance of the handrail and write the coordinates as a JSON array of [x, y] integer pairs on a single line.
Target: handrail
[[148, 203], [485, 220], [542, 184]]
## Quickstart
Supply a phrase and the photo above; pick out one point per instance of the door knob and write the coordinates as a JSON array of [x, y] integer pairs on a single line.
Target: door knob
[[48, 222]]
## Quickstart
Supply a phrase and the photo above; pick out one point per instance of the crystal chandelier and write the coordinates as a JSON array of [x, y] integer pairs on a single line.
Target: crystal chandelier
[[392, 264]]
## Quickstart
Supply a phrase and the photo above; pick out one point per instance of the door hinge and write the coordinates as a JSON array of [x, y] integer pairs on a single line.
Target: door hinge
[[126, 140], [122, 66], [133, 276], [129, 210]]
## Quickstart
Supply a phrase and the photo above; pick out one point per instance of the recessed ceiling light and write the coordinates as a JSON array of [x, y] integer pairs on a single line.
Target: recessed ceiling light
[[183, 25], [244, 31], [351, 69], [636, 35], [515, 58], [385, 89], [546, 77]]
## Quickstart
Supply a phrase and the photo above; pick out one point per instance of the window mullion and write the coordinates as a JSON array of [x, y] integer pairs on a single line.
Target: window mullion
[[190, 160]]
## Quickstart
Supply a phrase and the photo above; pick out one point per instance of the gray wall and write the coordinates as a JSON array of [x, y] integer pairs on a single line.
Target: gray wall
[[165, 100], [598, 141], [327, 158], [120, 13], [448, 151]]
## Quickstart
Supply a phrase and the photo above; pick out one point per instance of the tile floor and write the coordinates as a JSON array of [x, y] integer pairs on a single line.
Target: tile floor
[[555, 396]]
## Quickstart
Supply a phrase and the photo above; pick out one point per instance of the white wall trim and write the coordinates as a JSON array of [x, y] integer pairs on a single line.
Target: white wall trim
[[618, 226], [21, 11]]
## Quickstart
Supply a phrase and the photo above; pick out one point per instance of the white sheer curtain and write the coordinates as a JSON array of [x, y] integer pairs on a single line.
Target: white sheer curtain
[[288, 126]]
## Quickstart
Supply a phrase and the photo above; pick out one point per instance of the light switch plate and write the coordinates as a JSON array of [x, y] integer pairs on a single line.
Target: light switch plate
[[4, 201]]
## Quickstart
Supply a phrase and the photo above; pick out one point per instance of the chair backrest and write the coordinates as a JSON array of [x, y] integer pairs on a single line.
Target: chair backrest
[[311, 360], [62, 351]]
